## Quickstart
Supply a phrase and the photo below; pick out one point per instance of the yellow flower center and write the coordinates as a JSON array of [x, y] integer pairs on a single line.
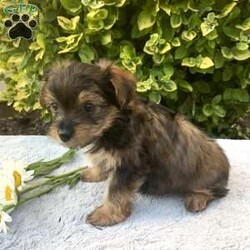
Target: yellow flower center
[[8, 193], [17, 178]]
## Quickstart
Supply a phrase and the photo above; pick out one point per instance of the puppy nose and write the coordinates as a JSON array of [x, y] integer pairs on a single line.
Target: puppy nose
[[66, 130]]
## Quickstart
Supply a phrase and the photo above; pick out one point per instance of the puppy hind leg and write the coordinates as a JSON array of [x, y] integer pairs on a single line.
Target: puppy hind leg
[[219, 191], [196, 202]]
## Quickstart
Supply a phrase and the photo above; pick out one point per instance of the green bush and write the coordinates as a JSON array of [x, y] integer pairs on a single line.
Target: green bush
[[192, 56]]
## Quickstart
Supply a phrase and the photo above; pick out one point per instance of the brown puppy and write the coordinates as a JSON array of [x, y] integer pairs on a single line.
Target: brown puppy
[[135, 144]]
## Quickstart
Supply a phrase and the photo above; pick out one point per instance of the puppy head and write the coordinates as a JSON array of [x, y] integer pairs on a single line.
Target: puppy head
[[85, 99]]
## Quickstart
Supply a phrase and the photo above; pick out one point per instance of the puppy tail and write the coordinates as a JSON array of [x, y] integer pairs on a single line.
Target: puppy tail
[[219, 192]]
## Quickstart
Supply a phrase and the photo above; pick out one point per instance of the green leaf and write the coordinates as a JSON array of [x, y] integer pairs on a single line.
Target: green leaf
[[156, 86], [155, 46], [154, 38], [227, 53], [34, 46], [212, 36], [93, 4], [144, 86], [73, 7], [188, 35], [39, 55], [101, 19], [210, 17], [111, 19], [240, 55], [218, 60], [119, 3], [211, 45], [175, 21], [240, 95], [206, 28], [128, 56], [158, 59], [217, 99], [68, 24], [227, 74], [227, 9], [207, 109], [245, 25], [209, 24], [201, 117], [242, 46], [165, 7], [185, 86], [231, 31], [86, 53], [192, 6], [164, 47], [169, 86], [233, 15], [99, 14], [205, 62], [106, 38], [180, 52], [176, 42], [69, 43], [168, 71], [145, 20], [219, 110], [155, 97], [127, 51], [194, 21], [189, 62]]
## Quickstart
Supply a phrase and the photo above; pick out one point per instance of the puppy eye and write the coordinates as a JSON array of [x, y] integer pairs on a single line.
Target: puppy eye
[[54, 107], [89, 107]]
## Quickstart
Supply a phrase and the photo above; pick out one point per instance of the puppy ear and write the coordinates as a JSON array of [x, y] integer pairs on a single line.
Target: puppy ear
[[122, 80]]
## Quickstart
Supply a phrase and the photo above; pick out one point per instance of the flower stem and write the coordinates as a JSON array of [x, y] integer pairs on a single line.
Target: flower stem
[[51, 180], [32, 197], [44, 167]]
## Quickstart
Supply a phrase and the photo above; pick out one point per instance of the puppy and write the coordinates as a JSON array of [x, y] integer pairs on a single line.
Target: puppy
[[134, 144]]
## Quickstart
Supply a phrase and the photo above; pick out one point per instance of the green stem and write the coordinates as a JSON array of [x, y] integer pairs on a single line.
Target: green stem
[[30, 188], [52, 180], [44, 167], [6, 208], [68, 173]]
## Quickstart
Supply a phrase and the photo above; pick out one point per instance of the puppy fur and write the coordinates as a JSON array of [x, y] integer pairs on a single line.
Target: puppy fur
[[134, 144]]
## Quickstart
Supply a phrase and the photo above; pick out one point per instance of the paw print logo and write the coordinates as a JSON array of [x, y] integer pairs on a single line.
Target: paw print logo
[[20, 26]]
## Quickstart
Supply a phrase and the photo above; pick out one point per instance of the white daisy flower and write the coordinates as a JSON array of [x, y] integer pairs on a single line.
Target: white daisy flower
[[4, 217], [8, 194], [17, 171]]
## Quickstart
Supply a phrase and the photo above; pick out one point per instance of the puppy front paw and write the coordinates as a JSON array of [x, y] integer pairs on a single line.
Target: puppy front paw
[[103, 216], [86, 175], [93, 174]]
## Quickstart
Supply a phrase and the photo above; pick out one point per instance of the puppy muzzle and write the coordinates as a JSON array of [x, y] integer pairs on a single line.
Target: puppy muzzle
[[65, 130]]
